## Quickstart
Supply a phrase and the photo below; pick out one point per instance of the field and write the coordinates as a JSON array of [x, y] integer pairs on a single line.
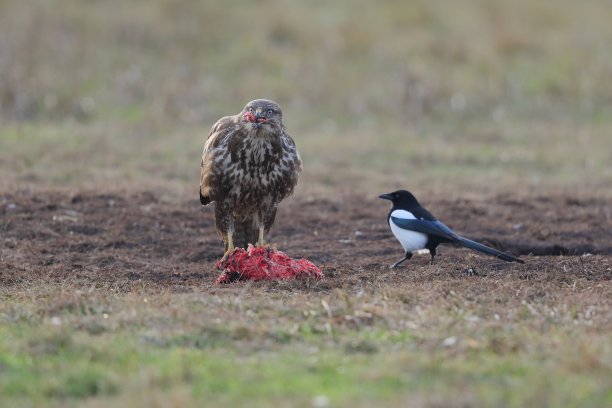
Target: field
[[495, 114]]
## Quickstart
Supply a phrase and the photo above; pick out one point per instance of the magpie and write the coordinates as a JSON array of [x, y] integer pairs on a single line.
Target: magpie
[[415, 228]]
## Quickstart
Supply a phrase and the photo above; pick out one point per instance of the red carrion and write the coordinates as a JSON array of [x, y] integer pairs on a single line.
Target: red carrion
[[259, 263]]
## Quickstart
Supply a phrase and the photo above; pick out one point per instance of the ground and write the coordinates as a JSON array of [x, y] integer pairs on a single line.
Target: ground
[[495, 114], [89, 238], [114, 294]]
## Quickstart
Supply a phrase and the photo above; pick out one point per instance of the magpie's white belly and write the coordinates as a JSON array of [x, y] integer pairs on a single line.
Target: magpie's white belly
[[410, 240]]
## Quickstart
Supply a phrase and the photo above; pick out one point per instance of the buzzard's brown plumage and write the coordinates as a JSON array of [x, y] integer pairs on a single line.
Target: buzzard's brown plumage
[[249, 165]]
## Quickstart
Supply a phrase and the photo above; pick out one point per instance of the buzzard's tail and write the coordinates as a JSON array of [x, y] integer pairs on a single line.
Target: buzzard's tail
[[245, 233]]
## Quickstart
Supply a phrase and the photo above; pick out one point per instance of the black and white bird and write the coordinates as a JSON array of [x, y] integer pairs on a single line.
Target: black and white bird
[[415, 228]]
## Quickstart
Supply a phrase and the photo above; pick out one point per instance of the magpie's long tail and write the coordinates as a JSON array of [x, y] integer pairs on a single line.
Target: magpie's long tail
[[488, 250]]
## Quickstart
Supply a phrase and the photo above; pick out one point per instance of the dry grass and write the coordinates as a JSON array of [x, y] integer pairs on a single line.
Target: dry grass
[[494, 340]]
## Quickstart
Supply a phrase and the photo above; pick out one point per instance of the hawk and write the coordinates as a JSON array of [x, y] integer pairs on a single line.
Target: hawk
[[249, 165]]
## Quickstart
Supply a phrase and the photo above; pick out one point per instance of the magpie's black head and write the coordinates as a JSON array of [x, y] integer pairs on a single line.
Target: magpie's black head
[[401, 199]]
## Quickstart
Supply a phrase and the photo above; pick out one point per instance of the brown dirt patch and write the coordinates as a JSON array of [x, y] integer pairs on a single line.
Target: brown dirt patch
[[117, 239]]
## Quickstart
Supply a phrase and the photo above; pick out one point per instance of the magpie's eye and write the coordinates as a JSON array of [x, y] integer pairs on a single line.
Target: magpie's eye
[[270, 111]]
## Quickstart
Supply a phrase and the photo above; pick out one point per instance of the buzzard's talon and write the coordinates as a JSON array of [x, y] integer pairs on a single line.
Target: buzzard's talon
[[227, 253]]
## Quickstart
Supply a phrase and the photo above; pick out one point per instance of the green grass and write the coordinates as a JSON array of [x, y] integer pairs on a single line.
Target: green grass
[[173, 349]]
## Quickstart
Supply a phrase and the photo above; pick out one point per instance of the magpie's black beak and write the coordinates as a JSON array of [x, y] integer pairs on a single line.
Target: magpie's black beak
[[386, 196]]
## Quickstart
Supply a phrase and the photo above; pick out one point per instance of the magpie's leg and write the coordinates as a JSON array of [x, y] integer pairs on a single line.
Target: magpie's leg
[[405, 258], [431, 246]]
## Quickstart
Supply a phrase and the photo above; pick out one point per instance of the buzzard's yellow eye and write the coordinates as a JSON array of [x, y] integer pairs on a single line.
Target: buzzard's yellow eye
[[270, 111]]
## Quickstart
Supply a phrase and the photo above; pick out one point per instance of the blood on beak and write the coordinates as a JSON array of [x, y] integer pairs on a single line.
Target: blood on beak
[[250, 117]]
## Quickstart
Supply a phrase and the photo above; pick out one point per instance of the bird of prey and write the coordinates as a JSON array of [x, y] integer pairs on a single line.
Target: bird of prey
[[415, 228], [249, 164]]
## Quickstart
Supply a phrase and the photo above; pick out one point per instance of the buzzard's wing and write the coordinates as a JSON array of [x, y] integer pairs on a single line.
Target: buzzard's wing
[[216, 135], [292, 165]]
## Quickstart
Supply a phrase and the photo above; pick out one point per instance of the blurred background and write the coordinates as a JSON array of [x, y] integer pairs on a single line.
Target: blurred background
[[465, 94]]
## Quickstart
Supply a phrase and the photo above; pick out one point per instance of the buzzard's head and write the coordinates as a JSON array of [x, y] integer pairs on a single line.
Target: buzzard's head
[[263, 114]]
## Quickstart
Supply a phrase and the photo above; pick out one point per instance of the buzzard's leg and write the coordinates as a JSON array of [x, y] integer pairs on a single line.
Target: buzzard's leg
[[230, 243], [261, 228], [266, 218], [261, 242], [228, 240], [225, 225]]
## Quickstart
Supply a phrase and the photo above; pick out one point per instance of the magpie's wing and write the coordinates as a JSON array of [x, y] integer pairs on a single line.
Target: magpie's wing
[[434, 228], [438, 229]]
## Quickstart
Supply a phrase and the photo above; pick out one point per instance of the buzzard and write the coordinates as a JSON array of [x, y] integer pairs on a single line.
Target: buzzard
[[249, 165]]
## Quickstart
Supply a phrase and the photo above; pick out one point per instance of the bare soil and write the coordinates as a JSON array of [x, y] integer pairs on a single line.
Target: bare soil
[[115, 239]]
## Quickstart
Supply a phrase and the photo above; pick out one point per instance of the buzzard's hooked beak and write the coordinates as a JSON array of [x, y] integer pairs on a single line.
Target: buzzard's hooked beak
[[259, 117], [386, 196]]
